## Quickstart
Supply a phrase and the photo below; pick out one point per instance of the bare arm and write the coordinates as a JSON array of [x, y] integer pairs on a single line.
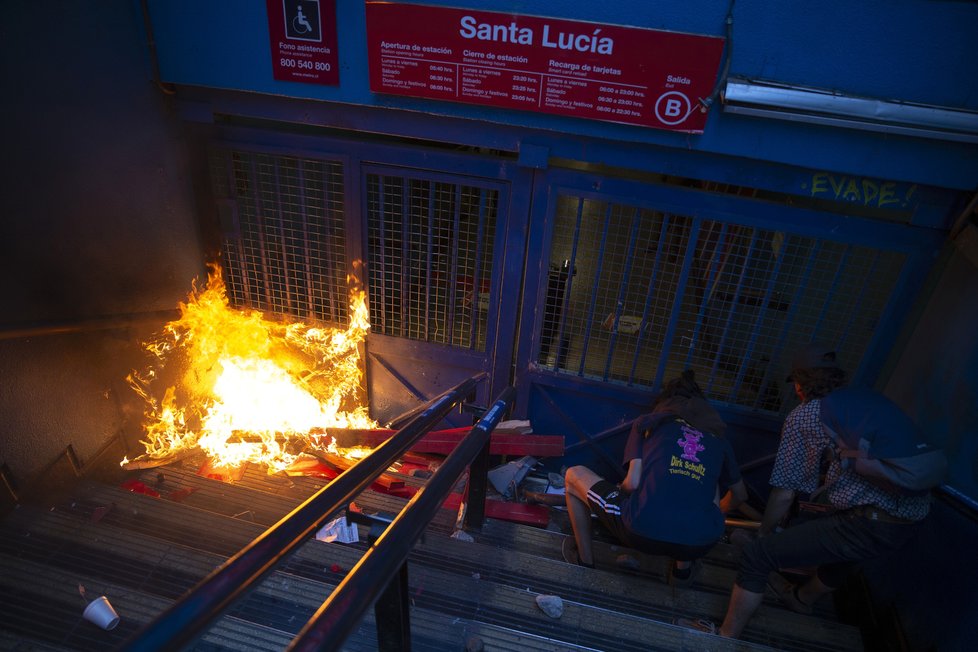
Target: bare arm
[[633, 477], [736, 495], [778, 504]]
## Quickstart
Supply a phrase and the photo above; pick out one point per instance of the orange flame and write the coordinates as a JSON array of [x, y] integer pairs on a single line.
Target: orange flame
[[243, 388]]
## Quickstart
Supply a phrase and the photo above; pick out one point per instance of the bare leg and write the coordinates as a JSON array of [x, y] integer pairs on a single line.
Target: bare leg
[[742, 606], [577, 480]]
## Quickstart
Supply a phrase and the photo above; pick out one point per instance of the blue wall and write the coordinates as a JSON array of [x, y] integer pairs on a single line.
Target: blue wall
[[907, 51]]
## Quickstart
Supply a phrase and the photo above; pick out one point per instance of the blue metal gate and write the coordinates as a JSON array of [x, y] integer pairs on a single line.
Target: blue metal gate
[[586, 291], [437, 257], [639, 281], [435, 239]]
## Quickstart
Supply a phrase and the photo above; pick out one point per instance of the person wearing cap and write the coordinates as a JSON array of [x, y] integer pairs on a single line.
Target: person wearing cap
[[862, 520], [681, 477]]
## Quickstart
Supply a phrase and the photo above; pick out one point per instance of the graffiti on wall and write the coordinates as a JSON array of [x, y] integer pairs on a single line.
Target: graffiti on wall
[[862, 190]]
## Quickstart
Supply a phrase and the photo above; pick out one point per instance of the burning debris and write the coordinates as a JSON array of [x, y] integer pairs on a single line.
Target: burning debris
[[241, 387]]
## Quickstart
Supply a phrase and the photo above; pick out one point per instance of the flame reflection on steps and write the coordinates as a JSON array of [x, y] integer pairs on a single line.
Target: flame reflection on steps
[[245, 388]]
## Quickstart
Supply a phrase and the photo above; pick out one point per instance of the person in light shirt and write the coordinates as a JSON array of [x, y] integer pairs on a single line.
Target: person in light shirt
[[863, 520]]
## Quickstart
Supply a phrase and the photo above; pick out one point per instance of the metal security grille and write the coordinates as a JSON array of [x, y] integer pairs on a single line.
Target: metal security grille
[[639, 295], [284, 243], [430, 258]]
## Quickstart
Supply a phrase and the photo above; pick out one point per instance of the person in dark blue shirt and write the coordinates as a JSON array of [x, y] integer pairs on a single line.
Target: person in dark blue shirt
[[681, 477]]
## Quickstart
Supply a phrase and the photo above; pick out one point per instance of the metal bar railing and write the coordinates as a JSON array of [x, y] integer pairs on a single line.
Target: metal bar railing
[[192, 613], [473, 508], [336, 619], [114, 322]]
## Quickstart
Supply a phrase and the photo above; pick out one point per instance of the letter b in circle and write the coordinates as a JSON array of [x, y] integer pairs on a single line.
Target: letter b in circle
[[672, 108]]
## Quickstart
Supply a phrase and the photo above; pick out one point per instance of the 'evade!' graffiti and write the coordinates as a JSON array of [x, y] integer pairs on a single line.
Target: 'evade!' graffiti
[[868, 192]]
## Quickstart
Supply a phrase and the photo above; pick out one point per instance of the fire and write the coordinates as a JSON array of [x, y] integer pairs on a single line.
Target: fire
[[244, 388]]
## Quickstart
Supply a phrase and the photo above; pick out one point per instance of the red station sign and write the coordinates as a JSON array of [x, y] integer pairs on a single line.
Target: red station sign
[[646, 77], [303, 39]]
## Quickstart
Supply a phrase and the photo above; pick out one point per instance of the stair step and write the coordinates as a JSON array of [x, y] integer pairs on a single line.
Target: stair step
[[264, 498], [492, 583], [295, 598], [273, 496], [42, 602]]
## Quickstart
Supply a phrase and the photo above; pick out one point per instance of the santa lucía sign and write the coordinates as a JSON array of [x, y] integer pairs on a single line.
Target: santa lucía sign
[[595, 71]]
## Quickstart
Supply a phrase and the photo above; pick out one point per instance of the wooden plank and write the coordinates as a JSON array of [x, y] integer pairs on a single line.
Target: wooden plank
[[499, 444], [444, 441], [384, 481], [522, 513]]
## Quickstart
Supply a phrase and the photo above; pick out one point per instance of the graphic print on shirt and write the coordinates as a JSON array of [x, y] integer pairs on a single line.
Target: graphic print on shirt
[[690, 443], [688, 463]]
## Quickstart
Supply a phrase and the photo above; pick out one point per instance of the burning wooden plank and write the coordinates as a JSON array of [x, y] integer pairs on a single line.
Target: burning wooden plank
[[385, 480], [216, 471], [141, 463]]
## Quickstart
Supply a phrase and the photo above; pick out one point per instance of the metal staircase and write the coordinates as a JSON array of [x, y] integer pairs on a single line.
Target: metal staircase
[[143, 552]]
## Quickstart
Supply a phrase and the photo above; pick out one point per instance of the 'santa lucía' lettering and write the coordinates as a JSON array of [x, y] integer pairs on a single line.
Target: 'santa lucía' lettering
[[580, 42], [512, 33], [471, 28]]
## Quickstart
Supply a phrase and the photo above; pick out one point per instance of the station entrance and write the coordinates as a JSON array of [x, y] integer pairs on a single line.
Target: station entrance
[[586, 289]]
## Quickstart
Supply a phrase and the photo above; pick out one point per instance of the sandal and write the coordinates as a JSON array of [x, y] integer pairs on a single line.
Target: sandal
[[699, 624], [627, 562], [569, 550], [787, 592], [795, 603], [683, 578]]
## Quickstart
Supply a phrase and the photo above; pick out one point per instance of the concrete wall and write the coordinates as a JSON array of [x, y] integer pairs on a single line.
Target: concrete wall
[[98, 229]]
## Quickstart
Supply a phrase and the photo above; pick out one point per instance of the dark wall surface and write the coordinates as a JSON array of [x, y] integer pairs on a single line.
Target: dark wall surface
[[98, 235], [931, 582], [936, 378]]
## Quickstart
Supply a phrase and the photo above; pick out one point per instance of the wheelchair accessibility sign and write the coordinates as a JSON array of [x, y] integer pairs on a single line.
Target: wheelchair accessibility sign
[[302, 20], [303, 40]]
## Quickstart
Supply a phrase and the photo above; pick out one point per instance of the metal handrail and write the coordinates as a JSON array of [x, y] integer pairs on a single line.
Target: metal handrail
[[336, 619], [213, 595]]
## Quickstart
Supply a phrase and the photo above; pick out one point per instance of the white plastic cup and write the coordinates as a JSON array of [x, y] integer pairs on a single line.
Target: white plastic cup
[[100, 612]]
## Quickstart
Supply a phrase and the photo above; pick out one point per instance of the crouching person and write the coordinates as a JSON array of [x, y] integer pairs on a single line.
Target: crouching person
[[678, 466], [866, 520]]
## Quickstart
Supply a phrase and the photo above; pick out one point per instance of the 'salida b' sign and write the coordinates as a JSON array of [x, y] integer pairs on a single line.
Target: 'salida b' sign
[[613, 73]]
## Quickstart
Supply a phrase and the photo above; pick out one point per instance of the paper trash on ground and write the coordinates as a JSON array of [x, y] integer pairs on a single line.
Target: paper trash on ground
[[338, 531], [518, 426]]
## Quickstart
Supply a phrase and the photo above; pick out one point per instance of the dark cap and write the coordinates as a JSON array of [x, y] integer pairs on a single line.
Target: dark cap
[[814, 356]]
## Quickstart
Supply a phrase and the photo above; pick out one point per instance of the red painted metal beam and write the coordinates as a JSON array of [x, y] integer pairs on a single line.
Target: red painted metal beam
[[444, 442]]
